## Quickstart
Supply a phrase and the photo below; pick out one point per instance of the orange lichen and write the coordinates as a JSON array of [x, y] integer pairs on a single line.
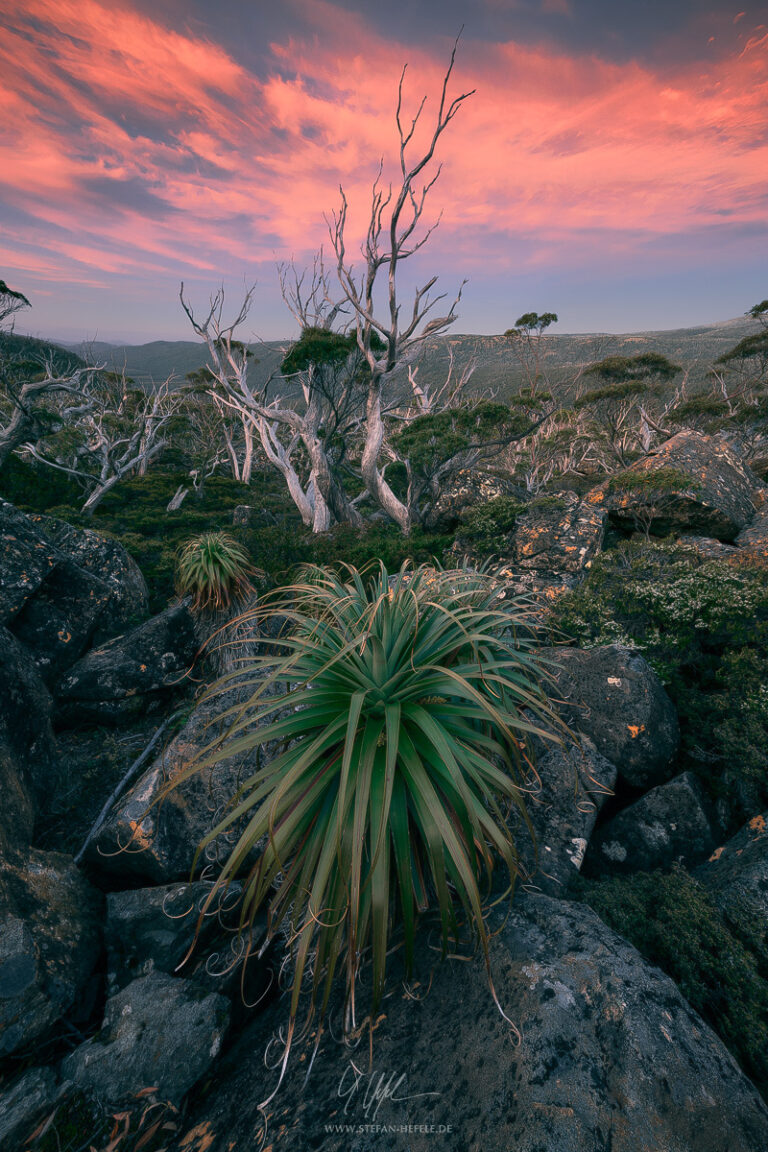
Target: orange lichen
[[635, 730]]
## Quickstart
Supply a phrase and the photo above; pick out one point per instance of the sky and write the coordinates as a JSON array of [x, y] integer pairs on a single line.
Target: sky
[[611, 164]]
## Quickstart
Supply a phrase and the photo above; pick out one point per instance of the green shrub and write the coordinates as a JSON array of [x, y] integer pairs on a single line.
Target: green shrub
[[485, 527], [400, 704], [672, 921]]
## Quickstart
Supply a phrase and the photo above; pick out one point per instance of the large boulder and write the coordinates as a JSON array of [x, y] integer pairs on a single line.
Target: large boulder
[[572, 783], [129, 674], [49, 944], [718, 501], [28, 759], [156, 843], [668, 825], [611, 1057], [128, 601], [27, 558], [157, 1033], [736, 875], [559, 533], [613, 696], [61, 588]]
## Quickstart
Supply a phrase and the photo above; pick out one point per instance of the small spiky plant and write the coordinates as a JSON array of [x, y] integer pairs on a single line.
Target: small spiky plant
[[214, 570], [402, 705]]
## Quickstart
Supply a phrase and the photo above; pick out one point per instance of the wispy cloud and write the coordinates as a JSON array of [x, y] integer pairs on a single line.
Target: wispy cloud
[[133, 146]]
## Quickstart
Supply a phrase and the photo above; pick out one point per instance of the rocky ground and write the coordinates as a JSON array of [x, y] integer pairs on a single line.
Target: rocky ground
[[116, 1032]]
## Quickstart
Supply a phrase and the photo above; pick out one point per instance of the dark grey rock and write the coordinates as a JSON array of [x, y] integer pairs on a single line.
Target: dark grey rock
[[611, 1058], [25, 1103], [158, 1032], [29, 771], [574, 783], [58, 623], [719, 502], [62, 588], [614, 697], [559, 533], [155, 928], [27, 558], [49, 944], [157, 843], [128, 600], [667, 825], [123, 677], [736, 874]]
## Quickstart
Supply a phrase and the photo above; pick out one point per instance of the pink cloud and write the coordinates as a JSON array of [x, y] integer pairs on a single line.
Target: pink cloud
[[133, 146]]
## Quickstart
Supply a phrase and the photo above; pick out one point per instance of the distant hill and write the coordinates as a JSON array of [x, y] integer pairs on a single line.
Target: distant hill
[[694, 348], [155, 362], [30, 350]]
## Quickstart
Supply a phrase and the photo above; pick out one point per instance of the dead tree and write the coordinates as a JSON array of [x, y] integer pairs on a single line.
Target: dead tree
[[388, 340], [121, 430], [305, 426]]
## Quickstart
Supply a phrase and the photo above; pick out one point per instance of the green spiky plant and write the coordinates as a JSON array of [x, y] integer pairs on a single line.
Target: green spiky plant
[[402, 706], [214, 570]]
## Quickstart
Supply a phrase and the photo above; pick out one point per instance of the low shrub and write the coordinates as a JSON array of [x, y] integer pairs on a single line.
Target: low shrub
[[486, 528]]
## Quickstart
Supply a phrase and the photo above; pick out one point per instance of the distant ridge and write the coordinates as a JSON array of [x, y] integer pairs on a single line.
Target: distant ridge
[[694, 348]]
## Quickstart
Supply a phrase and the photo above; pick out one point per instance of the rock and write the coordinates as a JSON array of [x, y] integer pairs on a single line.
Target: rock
[[25, 1104], [61, 588], [614, 697], [719, 502], [466, 489], [708, 548], [141, 840], [544, 587], [49, 944], [150, 929], [58, 623], [575, 782], [125, 676], [667, 825], [128, 601], [611, 1057], [28, 759], [736, 874], [754, 538], [158, 1032], [27, 558], [559, 533], [159, 929]]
